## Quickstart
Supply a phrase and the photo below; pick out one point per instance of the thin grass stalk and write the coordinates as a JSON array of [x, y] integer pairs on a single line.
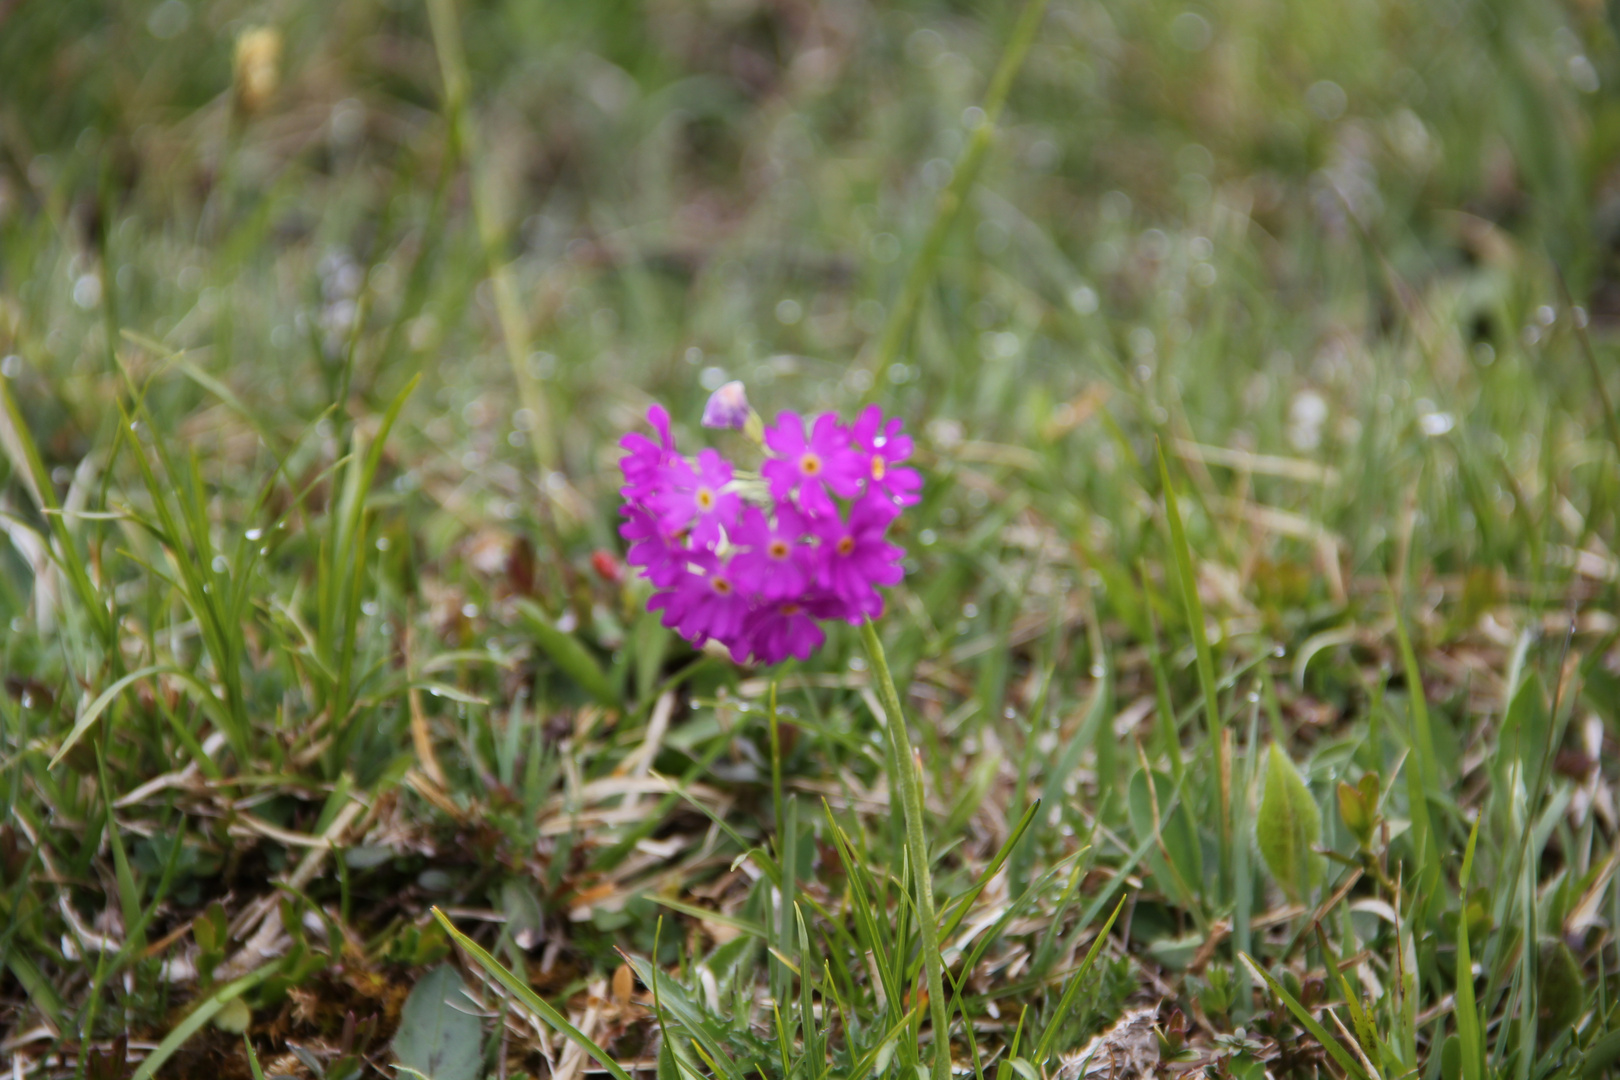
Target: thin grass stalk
[[950, 201], [909, 782], [514, 329], [1188, 581]]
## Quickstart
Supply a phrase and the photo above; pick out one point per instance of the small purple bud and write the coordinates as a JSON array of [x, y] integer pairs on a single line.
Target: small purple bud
[[727, 407]]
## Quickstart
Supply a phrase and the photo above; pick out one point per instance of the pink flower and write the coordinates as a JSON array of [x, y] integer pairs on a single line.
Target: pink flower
[[645, 457], [696, 498], [702, 605], [661, 554], [811, 468], [855, 558], [775, 562], [777, 631], [886, 447]]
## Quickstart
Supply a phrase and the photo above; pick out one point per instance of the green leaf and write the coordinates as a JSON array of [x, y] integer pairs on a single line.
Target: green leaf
[[439, 1033], [1600, 1056], [98, 706], [1560, 991], [1451, 1059], [253, 1059], [234, 1017], [567, 653], [1182, 876], [1356, 813], [1470, 1036], [1288, 826], [1187, 578], [1335, 1049], [521, 990], [204, 1012], [1066, 1002]]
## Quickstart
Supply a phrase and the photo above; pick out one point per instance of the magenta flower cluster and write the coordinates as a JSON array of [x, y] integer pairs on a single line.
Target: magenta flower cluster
[[757, 563]]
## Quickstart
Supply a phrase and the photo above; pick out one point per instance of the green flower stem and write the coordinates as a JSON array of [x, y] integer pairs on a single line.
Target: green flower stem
[[909, 780]]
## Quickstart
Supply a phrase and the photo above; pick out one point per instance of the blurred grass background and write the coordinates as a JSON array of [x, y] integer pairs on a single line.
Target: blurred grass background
[[282, 670]]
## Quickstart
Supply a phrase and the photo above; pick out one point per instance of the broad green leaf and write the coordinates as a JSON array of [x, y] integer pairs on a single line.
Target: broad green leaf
[[1288, 826], [1600, 1056], [567, 653], [439, 1032], [1560, 991]]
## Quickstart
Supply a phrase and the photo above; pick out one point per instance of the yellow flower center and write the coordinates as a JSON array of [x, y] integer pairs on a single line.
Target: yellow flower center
[[790, 609], [705, 498], [878, 467], [846, 545], [810, 464], [778, 549], [720, 585]]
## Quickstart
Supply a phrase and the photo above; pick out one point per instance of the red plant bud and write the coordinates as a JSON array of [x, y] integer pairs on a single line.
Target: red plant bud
[[606, 565]]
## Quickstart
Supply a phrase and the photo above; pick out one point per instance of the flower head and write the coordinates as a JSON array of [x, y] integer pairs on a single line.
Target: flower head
[[760, 574], [661, 554]]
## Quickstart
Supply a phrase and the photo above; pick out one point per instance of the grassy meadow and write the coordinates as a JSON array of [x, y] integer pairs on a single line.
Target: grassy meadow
[[1251, 706]]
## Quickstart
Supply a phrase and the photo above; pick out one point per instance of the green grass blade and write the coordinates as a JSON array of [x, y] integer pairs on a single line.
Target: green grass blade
[[1469, 1030], [204, 1012], [909, 781], [1187, 579], [532, 1001], [1043, 1049], [1335, 1049], [568, 654], [952, 199], [1423, 782], [93, 712]]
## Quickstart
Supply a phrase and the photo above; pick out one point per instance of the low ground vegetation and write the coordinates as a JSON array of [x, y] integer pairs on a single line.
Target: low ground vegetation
[[1257, 650]]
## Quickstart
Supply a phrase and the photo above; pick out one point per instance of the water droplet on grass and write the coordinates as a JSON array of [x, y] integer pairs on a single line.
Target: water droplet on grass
[[1436, 423]]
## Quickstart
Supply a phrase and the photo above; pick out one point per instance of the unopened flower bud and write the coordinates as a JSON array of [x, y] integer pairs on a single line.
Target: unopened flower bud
[[727, 407], [606, 565]]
